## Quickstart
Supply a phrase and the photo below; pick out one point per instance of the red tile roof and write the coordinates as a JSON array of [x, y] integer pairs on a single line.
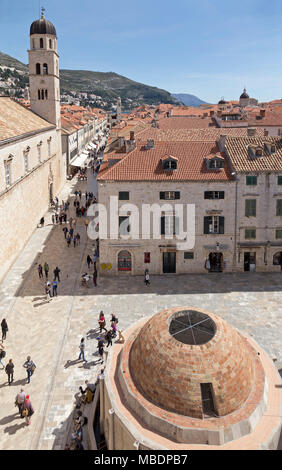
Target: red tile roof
[[145, 165]]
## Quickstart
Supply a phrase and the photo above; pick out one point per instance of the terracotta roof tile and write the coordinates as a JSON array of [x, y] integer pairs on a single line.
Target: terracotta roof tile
[[16, 119], [243, 161], [145, 165]]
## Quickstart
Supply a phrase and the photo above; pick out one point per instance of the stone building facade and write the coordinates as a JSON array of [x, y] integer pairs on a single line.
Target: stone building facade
[[32, 170]]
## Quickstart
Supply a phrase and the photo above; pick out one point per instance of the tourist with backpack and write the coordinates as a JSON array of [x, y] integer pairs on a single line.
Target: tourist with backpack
[[30, 368], [27, 410]]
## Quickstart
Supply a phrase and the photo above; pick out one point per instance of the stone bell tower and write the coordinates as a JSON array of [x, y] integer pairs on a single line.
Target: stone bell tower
[[44, 81]]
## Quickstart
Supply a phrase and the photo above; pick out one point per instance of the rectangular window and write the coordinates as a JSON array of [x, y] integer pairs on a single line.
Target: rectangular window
[[279, 180], [8, 174], [124, 227], [214, 194], [188, 255], [251, 180], [279, 207], [250, 234], [169, 225], [147, 257], [278, 233], [26, 163], [213, 224], [123, 196], [250, 207], [170, 195]]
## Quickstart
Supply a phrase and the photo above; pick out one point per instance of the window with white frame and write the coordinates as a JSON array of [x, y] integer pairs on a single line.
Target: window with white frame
[[39, 153], [25, 162], [8, 174]]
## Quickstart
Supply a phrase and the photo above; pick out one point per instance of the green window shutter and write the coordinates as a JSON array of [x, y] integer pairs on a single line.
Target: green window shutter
[[177, 194], [163, 225], [250, 207], [123, 196], [251, 180], [279, 180], [278, 233], [279, 207], [250, 233], [221, 194], [221, 224], [206, 225], [162, 195]]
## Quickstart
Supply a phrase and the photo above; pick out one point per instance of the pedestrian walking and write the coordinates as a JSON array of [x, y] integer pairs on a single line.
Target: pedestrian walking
[[2, 355], [60, 218], [10, 371], [78, 239], [108, 337], [74, 241], [68, 241], [80, 194], [27, 410], [95, 278], [57, 273], [4, 327], [42, 221], [65, 217], [89, 261], [147, 278], [19, 401], [86, 195], [40, 271], [53, 219], [65, 230], [94, 260], [71, 232], [57, 217], [48, 291], [101, 345], [30, 368], [54, 288], [70, 221], [102, 322], [74, 224], [46, 269], [82, 350]]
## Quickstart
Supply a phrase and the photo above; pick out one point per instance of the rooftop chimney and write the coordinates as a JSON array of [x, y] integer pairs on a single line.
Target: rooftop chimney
[[150, 144], [251, 132], [221, 142], [262, 112]]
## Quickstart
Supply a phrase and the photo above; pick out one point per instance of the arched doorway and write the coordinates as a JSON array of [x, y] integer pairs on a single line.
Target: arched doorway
[[216, 262], [277, 259], [124, 261]]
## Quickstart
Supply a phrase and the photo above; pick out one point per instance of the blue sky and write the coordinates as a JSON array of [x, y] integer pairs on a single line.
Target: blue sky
[[209, 48]]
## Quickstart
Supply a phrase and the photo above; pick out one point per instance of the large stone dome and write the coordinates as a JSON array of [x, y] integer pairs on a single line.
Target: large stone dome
[[42, 26], [180, 355]]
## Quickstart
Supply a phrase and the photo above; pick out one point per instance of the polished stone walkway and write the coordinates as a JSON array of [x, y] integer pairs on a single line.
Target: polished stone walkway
[[51, 332]]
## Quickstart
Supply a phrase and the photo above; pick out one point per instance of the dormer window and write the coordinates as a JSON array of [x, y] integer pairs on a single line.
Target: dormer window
[[169, 162], [215, 163], [258, 152], [255, 151], [270, 147]]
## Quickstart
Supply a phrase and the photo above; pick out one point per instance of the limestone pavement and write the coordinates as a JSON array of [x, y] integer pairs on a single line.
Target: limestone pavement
[[51, 332]]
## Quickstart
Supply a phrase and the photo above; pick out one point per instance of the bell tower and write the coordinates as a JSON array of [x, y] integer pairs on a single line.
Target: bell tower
[[44, 81]]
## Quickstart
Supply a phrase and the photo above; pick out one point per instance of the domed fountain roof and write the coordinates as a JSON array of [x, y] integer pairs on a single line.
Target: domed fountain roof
[[180, 352]]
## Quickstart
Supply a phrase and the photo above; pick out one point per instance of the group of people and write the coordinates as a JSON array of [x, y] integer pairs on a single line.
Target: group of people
[[48, 285], [22, 401]]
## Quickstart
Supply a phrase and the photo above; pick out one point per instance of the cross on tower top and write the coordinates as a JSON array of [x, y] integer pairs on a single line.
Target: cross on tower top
[[42, 12]]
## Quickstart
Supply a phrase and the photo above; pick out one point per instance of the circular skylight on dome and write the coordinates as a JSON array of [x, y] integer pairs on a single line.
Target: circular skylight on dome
[[192, 327]]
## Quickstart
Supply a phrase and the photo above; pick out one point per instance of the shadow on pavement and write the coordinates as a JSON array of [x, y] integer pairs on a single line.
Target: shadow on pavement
[[13, 429]]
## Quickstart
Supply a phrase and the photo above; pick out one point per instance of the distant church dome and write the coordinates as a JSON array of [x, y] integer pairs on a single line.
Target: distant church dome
[[42, 26], [222, 101], [244, 95]]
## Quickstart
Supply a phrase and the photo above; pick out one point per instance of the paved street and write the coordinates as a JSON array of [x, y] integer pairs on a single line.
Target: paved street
[[51, 332]]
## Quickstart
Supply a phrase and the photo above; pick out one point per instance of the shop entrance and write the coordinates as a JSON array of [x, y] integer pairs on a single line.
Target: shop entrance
[[169, 262], [216, 262], [249, 261]]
